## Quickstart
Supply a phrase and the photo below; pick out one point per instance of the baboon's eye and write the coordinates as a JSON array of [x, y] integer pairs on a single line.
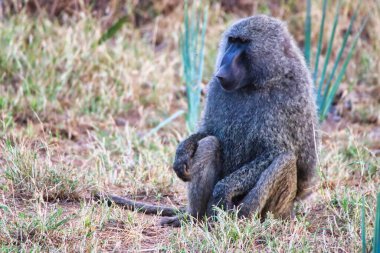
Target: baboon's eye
[[185, 167], [237, 40]]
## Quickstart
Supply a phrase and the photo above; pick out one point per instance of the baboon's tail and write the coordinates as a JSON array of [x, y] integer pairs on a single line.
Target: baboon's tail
[[138, 206]]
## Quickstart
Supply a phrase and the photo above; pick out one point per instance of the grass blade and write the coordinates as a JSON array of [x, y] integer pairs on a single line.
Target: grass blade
[[192, 40], [113, 29], [320, 41], [307, 47], [328, 54], [364, 242], [201, 51], [165, 122], [342, 72], [376, 240], [200, 60]]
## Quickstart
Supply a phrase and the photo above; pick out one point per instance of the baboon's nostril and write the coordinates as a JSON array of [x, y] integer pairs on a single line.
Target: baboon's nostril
[[185, 168], [221, 79]]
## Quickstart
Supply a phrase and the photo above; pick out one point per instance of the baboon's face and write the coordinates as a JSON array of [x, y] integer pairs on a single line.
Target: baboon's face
[[233, 70], [251, 52]]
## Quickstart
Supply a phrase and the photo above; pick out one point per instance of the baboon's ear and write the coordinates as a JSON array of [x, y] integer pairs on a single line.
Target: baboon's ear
[[287, 47]]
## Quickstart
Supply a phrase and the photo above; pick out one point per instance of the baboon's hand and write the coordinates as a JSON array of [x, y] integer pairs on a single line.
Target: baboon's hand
[[184, 154], [183, 157]]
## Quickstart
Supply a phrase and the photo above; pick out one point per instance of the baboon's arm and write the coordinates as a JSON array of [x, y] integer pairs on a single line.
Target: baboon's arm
[[204, 173], [139, 206]]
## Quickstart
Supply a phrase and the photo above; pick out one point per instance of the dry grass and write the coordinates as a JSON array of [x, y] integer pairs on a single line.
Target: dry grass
[[74, 117]]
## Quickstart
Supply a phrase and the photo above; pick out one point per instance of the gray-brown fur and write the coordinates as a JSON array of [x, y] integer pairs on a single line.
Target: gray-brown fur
[[256, 147]]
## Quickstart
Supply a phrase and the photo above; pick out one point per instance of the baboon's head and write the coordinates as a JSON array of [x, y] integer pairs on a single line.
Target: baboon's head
[[253, 51]]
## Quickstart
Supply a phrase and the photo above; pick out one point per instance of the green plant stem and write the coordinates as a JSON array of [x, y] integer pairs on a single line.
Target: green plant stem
[[335, 87], [364, 242], [307, 47], [192, 50], [328, 54], [338, 58], [320, 41], [376, 243]]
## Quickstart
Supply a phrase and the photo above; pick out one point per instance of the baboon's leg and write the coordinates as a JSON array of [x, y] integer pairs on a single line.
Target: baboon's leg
[[204, 172], [275, 191], [229, 191]]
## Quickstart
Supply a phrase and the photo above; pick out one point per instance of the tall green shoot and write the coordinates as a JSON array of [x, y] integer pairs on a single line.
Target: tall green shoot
[[376, 234], [376, 240], [307, 49], [192, 41], [320, 40], [363, 233]]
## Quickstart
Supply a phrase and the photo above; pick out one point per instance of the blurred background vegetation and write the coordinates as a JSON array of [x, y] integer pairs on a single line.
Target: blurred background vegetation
[[150, 30]]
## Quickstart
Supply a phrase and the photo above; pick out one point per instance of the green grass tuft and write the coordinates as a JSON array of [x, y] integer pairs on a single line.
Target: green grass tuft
[[33, 175], [325, 84], [331, 90]]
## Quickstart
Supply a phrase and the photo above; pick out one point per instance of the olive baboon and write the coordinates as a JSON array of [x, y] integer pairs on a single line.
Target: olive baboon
[[256, 146]]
